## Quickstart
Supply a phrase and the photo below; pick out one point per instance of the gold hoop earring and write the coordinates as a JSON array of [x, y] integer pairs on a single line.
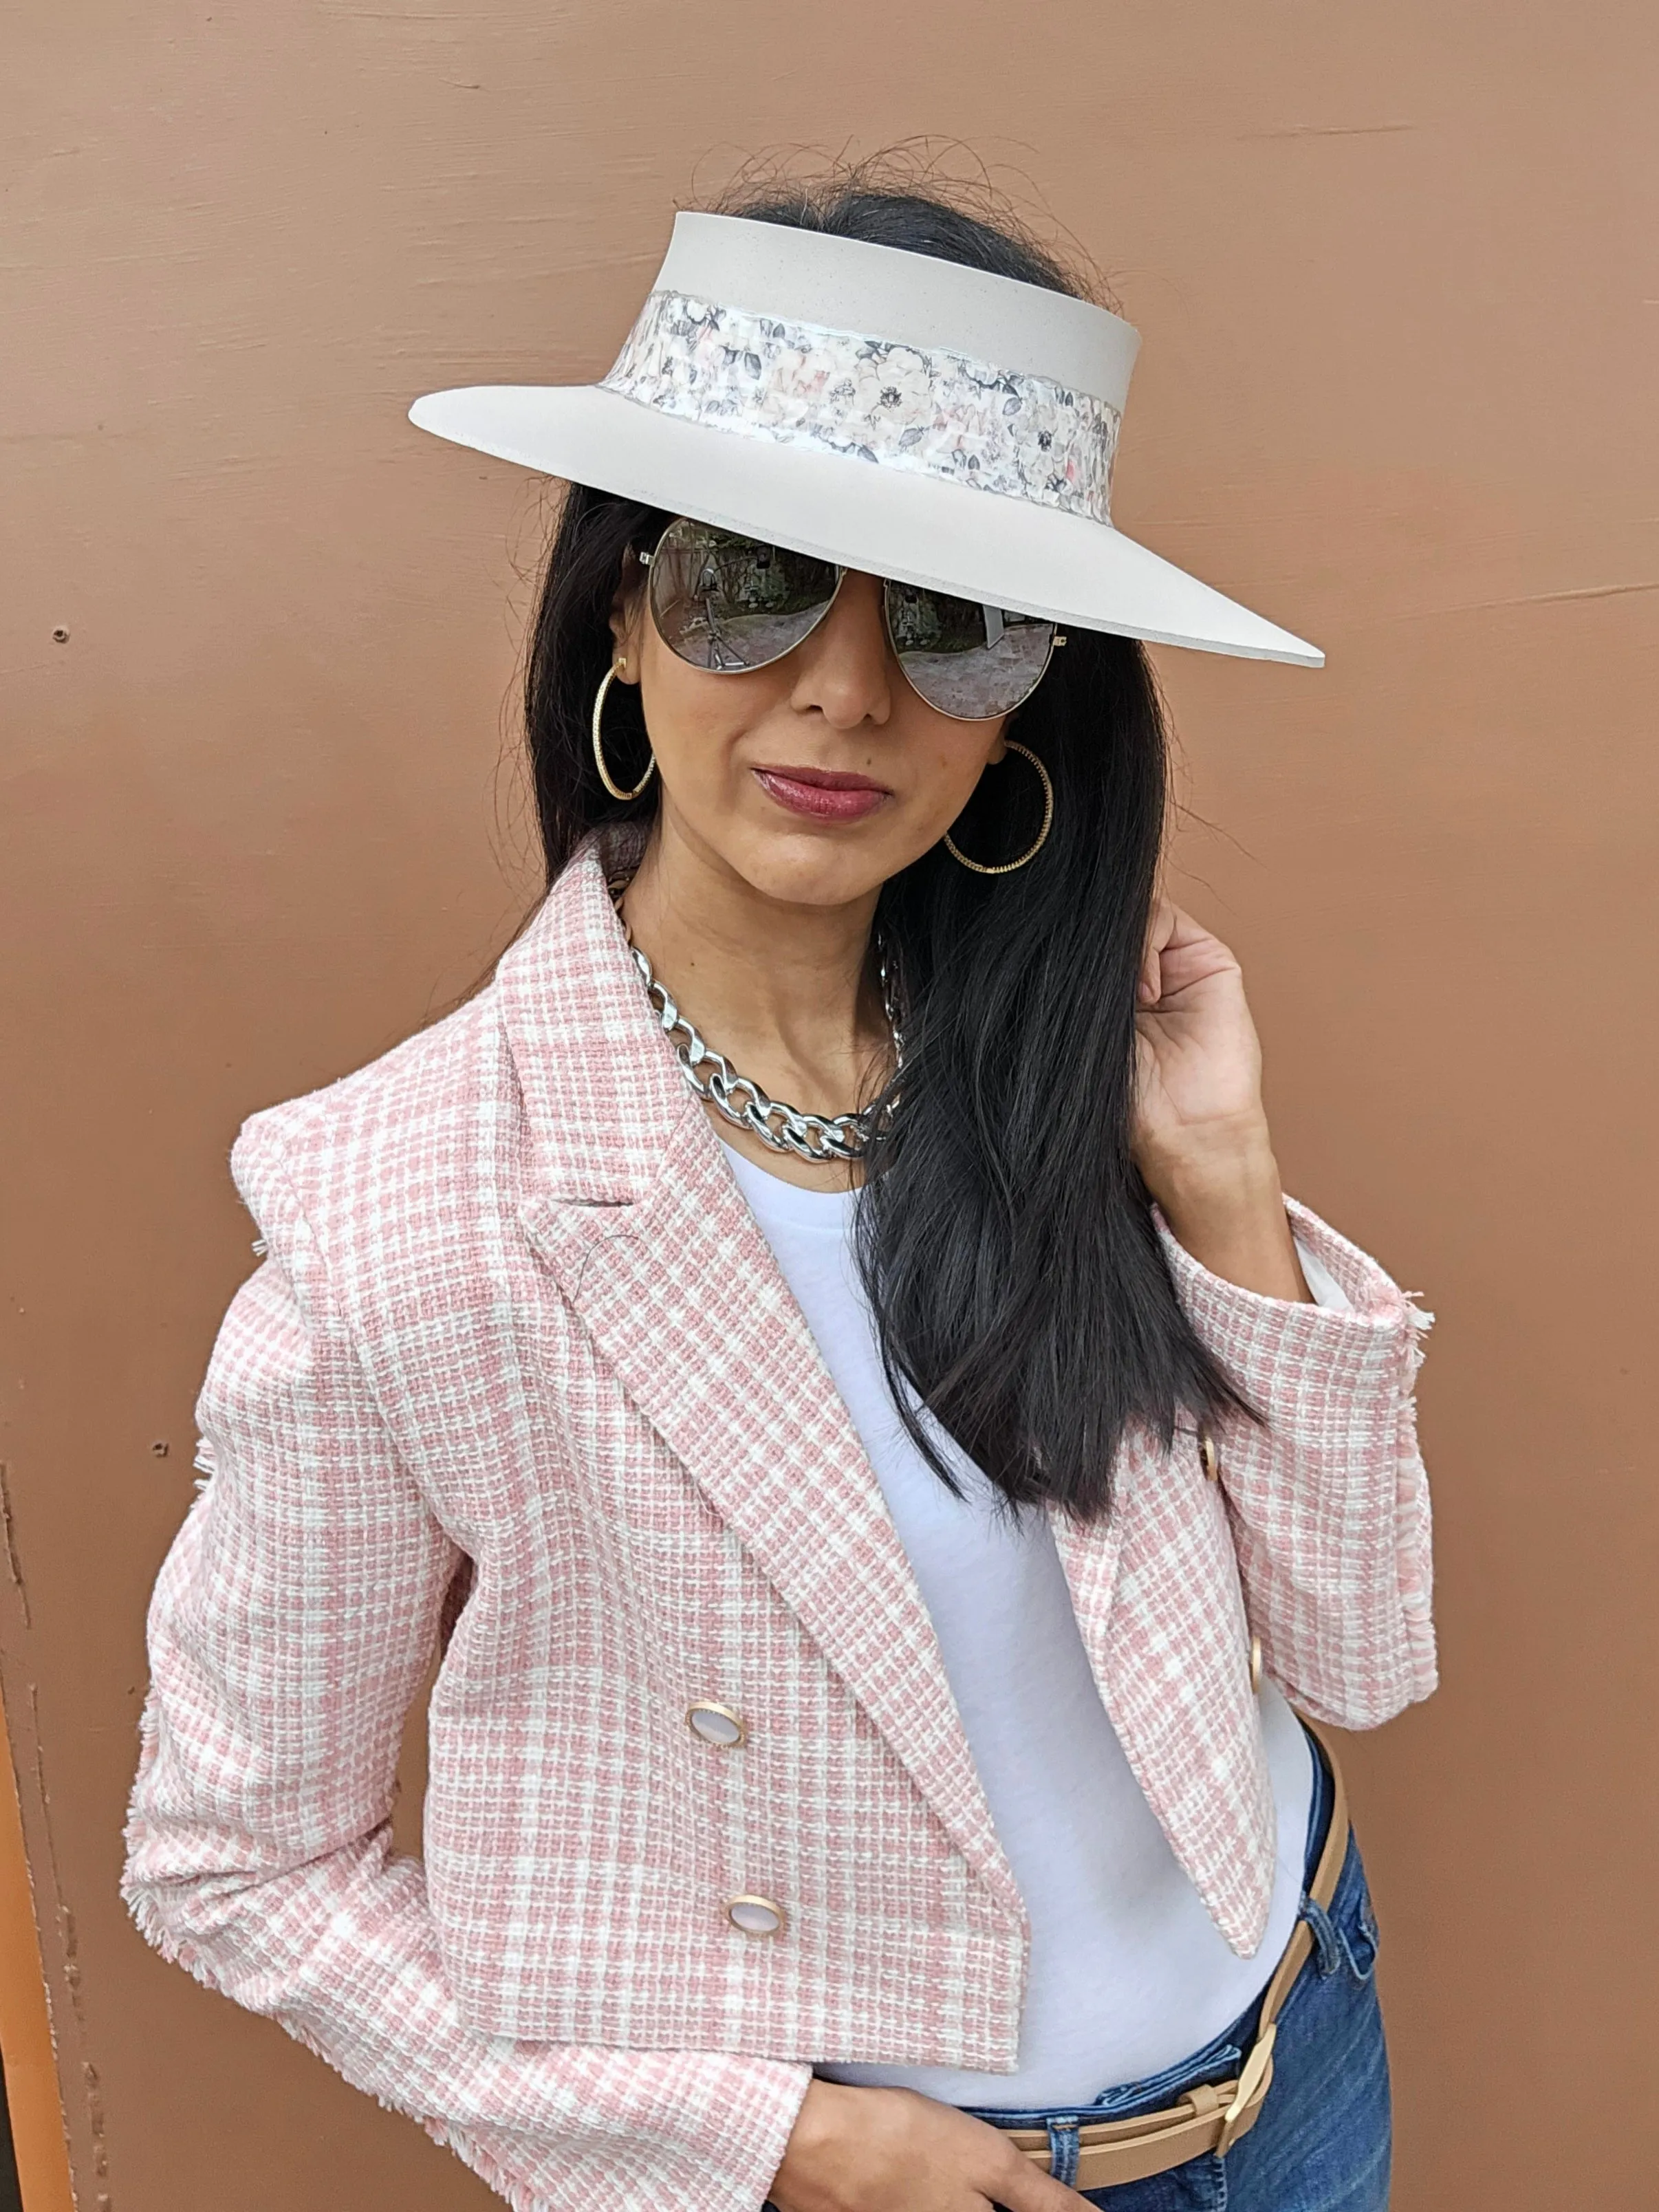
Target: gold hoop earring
[[615, 789], [1007, 867]]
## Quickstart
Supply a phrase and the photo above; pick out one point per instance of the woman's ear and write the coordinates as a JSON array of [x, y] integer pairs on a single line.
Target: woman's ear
[[627, 617]]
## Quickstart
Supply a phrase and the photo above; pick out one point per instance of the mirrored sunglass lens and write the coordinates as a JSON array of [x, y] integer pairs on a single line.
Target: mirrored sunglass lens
[[727, 603], [966, 659]]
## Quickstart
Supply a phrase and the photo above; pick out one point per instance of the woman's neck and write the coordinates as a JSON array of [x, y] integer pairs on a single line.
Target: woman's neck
[[783, 990]]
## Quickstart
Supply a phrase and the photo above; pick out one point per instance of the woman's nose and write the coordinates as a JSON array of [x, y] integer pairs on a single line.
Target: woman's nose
[[843, 669]]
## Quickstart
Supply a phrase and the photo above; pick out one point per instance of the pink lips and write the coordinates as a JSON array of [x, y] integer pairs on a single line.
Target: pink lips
[[826, 794]]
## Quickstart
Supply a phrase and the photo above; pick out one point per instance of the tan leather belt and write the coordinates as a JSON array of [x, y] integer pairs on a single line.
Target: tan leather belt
[[1210, 2119]]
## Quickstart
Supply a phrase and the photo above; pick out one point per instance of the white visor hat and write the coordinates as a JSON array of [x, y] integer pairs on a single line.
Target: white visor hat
[[879, 409]]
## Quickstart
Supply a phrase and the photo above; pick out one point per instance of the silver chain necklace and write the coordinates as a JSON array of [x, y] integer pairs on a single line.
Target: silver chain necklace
[[712, 1077]]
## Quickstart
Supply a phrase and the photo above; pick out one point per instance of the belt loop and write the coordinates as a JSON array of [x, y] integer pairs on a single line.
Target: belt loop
[[1062, 2151], [1325, 1939]]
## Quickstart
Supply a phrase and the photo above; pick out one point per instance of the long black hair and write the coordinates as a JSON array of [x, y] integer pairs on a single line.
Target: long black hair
[[1005, 1237]]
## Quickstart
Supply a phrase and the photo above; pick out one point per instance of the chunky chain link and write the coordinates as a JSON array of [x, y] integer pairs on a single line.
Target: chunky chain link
[[744, 1103]]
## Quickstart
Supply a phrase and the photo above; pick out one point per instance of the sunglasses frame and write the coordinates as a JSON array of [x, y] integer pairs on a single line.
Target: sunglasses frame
[[888, 583]]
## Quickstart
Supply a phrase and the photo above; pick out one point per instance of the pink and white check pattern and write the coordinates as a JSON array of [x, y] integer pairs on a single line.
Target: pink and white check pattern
[[515, 1312]]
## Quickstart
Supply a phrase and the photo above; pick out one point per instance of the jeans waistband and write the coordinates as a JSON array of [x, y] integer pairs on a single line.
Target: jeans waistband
[[1219, 2059]]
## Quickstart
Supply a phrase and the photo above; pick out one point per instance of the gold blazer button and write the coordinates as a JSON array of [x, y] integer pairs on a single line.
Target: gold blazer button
[[1209, 1457], [1255, 1664], [716, 1723], [756, 1916]]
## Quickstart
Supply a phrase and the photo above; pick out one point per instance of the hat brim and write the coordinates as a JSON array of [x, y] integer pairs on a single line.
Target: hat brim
[[893, 522]]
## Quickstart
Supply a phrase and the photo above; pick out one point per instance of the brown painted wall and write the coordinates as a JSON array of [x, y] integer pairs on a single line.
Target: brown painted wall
[[1397, 271]]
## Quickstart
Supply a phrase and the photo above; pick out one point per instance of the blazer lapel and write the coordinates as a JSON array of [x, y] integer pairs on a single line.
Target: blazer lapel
[[631, 1203]]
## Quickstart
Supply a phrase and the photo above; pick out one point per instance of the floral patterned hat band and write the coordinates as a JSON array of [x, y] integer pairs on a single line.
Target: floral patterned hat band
[[873, 399], [880, 409]]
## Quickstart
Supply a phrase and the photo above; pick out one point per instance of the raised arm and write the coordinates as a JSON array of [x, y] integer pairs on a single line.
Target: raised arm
[[1329, 1501]]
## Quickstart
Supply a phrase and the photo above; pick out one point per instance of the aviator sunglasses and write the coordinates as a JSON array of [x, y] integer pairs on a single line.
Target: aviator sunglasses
[[730, 605]]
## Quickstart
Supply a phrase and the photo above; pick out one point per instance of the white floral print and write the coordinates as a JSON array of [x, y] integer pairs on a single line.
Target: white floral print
[[901, 406]]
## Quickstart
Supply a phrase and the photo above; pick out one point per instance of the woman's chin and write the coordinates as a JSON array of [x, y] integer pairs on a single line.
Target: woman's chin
[[807, 867]]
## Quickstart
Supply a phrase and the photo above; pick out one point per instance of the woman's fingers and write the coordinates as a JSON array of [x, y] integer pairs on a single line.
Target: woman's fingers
[[890, 2150], [1028, 2189], [1181, 954], [1164, 919], [1173, 939]]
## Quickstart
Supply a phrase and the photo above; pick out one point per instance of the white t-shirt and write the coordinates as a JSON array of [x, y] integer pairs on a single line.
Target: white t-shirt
[[1127, 1972]]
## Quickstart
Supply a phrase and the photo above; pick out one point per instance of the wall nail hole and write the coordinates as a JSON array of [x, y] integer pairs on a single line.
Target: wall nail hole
[[159, 1448], [60, 635]]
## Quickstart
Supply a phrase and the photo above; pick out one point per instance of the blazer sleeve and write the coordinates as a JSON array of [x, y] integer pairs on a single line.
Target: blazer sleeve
[[291, 1627], [1326, 1493]]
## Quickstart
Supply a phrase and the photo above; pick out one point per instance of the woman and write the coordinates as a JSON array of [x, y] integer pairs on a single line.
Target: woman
[[876, 1545]]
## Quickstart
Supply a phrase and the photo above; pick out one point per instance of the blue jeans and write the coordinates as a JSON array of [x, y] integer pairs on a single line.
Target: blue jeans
[[1322, 2141]]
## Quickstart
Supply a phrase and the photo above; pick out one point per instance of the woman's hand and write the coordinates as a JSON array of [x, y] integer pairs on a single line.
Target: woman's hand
[[1200, 1134], [890, 2150]]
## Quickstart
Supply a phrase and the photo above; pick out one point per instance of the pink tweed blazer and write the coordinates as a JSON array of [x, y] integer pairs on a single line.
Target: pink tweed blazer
[[514, 1312]]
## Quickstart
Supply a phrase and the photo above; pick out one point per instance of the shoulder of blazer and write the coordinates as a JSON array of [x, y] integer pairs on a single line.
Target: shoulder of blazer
[[376, 1150], [553, 1087]]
